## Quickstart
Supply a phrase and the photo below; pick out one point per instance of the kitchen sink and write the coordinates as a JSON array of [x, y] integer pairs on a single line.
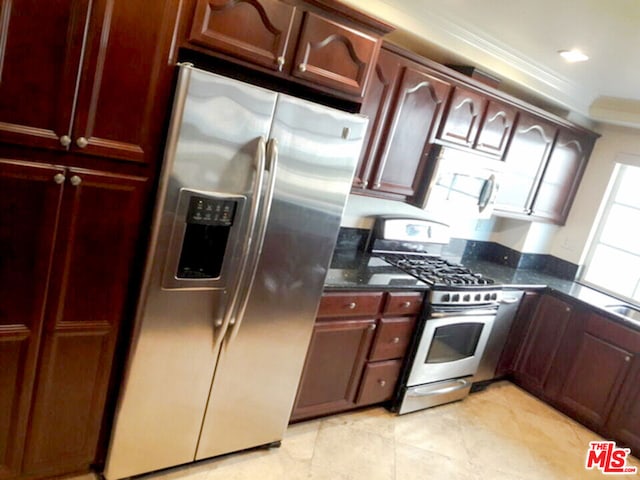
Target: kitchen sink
[[626, 311]]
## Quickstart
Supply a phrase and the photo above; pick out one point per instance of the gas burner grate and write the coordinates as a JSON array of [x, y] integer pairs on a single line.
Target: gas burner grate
[[436, 270]]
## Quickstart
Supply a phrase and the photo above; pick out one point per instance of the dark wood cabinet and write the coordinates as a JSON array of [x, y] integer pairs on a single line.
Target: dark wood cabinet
[[624, 422], [29, 203], [72, 235], [103, 92], [319, 43], [597, 369], [258, 31], [335, 55], [541, 343], [495, 129], [525, 159], [375, 106], [415, 113], [562, 175], [356, 351], [461, 123], [333, 368]]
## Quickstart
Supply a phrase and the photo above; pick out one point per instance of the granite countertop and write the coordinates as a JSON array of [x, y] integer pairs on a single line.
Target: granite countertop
[[365, 272]]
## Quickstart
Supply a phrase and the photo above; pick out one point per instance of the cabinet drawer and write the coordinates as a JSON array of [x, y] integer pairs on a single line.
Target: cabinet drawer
[[403, 303], [379, 382], [341, 304], [392, 339]]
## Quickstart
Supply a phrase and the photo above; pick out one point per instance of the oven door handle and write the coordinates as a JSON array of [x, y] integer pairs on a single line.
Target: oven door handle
[[417, 392], [462, 313]]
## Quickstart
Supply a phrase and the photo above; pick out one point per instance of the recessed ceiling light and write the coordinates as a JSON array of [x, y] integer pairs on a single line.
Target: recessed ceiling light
[[573, 56]]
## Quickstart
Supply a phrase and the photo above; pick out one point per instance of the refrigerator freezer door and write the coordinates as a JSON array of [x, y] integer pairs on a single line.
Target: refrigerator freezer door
[[211, 153], [261, 361]]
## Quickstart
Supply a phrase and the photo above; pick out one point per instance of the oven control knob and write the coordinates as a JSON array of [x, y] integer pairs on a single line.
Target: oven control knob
[[478, 297], [455, 298], [445, 298], [494, 296], [467, 298], [487, 296]]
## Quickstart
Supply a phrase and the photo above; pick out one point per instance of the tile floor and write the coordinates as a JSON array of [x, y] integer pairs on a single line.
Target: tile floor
[[500, 433]]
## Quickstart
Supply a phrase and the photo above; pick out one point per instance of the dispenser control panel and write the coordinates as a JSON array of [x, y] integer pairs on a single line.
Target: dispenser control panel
[[211, 211]]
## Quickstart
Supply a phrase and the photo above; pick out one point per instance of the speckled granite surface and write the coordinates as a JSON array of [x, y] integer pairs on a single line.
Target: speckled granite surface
[[364, 272]]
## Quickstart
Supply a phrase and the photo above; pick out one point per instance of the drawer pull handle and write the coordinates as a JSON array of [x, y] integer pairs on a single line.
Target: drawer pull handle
[[382, 383], [406, 304], [395, 340], [352, 305]]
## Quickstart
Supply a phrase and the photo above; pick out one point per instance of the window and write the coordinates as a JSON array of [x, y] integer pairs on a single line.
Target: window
[[613, 261]]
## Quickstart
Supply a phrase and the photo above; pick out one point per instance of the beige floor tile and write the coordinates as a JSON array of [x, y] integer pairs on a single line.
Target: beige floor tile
[[436, 430], [356, 454], [300, 439], [413, 463], [502, 433], [376, 420]]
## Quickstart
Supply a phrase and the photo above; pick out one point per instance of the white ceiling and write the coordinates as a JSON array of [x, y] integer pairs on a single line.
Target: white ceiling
[[519, 39]]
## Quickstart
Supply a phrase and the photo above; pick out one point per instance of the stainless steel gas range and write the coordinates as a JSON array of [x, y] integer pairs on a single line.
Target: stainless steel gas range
[[458, 318]]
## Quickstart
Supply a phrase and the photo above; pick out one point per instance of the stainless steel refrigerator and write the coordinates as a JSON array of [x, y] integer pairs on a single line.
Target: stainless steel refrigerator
[[249, 206]]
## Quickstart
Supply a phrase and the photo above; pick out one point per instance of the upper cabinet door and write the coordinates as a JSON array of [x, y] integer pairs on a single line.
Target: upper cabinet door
[[254, 30], [462, 120], [562, 175], [40, 48], [124, 89], [415, 111], [335, 56], [524, 162], [495, 129], [376, 107]]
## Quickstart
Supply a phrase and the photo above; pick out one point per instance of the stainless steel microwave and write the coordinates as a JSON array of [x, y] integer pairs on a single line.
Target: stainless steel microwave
[[463, 185]]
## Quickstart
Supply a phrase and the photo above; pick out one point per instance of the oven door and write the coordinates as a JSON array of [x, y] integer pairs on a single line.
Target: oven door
[[451, 346]]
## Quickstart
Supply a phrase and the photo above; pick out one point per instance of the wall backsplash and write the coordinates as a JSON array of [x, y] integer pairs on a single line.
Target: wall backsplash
[[477, 239]]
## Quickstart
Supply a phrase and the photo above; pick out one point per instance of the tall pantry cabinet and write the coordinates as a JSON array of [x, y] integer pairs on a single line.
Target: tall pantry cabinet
[[84, 92]]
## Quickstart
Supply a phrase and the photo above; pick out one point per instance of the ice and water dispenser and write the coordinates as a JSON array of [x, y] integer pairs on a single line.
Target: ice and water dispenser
[[204, 235], [209, 221]]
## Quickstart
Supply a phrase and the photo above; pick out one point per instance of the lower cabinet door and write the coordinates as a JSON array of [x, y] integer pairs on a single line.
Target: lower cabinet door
[[624, 421], [90, 285], [29, 207], [333, 368], [379, 382]]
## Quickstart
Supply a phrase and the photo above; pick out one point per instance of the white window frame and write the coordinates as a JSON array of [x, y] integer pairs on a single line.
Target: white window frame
[[608, 202]]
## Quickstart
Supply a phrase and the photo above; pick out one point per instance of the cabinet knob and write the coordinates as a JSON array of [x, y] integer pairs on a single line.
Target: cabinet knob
[[82, 142], [395, 340], [377, 185], [365, 184], [382, 383], [59, 178], [65, 140], [627, 358], [406, 304], [75, 180], [352, 305], [302, 67], [567, 309], [372, 327], [280, 61]]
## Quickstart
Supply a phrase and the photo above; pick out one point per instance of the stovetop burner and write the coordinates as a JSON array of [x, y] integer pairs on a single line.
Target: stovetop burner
[[436, 270]]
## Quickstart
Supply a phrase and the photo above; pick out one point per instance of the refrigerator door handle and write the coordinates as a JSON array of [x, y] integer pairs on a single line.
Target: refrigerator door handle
[[221, 327], [272, 153]]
